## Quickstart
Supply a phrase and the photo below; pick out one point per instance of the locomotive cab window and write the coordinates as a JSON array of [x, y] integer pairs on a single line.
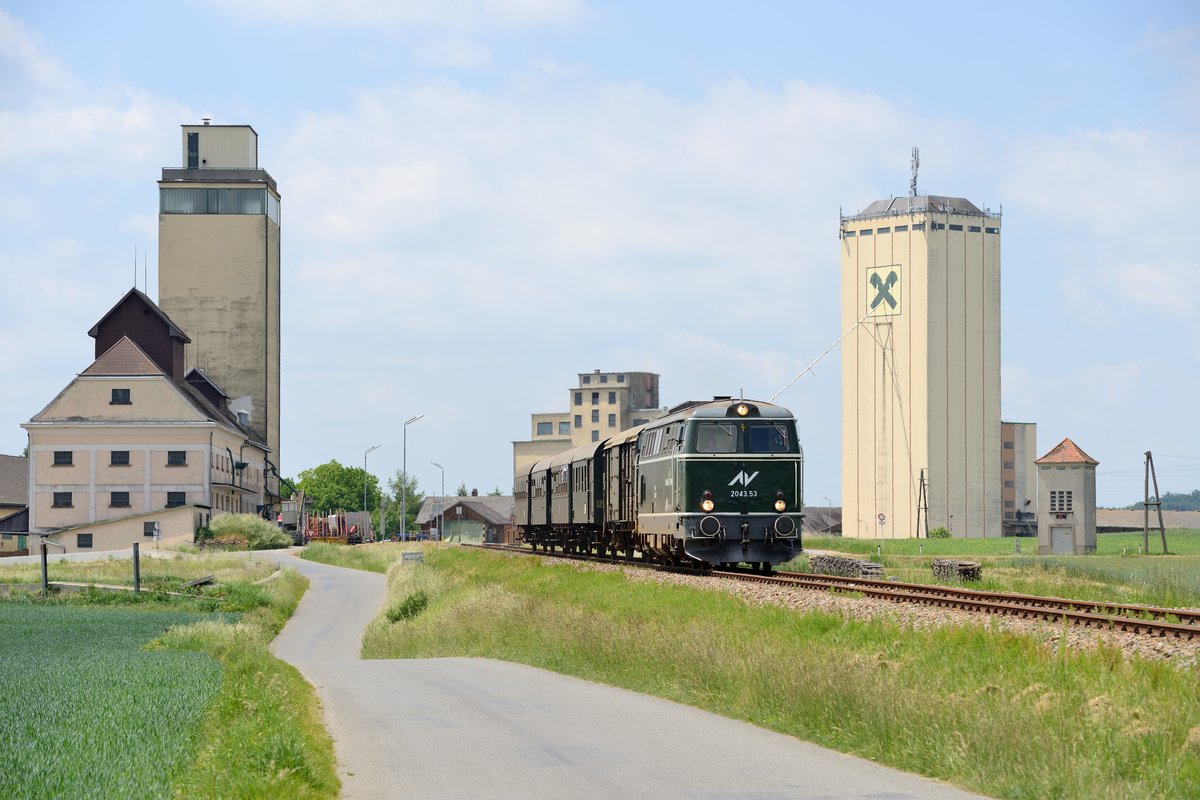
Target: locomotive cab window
[[769, 437], [716, 437]]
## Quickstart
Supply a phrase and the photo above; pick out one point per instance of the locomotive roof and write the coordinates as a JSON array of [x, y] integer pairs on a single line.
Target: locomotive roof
[[719, 409]]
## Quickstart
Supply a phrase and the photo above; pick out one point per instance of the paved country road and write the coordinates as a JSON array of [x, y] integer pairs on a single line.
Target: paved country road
[[476, 728]]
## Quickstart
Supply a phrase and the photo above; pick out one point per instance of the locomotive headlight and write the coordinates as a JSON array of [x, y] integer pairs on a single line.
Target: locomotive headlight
[[706, 504], [743, 410], [780, 505]]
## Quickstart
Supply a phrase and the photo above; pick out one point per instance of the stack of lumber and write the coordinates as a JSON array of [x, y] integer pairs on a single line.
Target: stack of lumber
[[952, 569], [844, 567]]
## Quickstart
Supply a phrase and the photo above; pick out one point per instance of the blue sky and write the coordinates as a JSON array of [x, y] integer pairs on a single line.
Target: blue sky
[[482, 199]]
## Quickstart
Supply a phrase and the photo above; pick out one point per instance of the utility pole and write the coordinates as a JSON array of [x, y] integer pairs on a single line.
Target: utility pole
[[922, 506], [1157, 503]]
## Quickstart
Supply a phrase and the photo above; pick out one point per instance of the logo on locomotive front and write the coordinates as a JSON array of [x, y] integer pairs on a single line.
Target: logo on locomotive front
[[743, 478]]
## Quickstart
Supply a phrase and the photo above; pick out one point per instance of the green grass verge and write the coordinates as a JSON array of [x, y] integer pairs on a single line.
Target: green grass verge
[[258, 732], [994, 712]]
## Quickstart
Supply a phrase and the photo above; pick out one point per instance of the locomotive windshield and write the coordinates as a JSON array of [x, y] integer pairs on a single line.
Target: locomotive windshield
[[760, 437], [716, 437]]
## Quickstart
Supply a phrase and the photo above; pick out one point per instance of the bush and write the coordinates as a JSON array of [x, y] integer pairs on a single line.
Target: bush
[[409, 607], [939, 533], [247, 530]]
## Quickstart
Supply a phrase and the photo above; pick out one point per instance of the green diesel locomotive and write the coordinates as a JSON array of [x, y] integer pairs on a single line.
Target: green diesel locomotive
[[716, 482]]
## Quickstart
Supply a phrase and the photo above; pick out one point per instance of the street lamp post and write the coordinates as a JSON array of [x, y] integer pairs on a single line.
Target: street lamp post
[[441, 503], [369, 450], [404, 478], [829, 519]]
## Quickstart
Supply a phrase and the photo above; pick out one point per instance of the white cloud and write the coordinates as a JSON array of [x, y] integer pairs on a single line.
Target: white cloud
[[23, 62], [457, 14]]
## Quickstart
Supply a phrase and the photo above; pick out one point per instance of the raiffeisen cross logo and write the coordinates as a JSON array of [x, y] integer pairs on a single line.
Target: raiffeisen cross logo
[[742, 478]]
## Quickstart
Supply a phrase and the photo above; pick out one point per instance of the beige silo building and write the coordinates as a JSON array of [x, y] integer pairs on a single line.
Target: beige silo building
[[921, 368], [218, 269]]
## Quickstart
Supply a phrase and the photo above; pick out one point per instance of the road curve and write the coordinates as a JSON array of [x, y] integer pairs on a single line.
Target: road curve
[[476, 728]]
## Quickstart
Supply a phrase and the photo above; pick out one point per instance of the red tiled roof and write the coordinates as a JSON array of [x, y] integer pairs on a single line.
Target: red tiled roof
[[123, 358], [1066, 452]]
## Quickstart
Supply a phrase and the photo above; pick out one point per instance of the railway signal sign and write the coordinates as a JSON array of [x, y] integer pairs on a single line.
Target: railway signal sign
[[882, 518]]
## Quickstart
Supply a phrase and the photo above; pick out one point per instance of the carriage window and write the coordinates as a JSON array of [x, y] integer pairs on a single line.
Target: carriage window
[[769, 438], [716, 437]]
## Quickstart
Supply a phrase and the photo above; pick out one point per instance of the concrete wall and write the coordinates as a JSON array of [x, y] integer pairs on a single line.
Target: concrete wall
[[219, 281], [223, 146], [921, 380], [1080, 480], [176, 525]]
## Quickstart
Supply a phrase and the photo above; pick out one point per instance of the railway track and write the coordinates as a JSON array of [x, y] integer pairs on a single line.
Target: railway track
[[1142, 620]]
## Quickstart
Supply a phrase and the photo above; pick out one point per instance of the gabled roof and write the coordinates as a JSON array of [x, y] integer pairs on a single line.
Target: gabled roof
[[198, 376], [498, 510], [14, 480], [173, 329], [126, 358], [123, 358], [1066, 452]]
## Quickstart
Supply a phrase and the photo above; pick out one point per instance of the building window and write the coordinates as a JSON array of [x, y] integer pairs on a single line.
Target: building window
[[991, 230], [587, 379], [1010, 504], [193, 145], [1008, 445], [212, 201], [901, 228], [1008, 484], [612, 398], [604, 379], [637, 422], [612, 420], [564, 429], [1060, 502], [884, 230], [149, 528], [956, 227], [620, 379], [176, 499], [62, 458], [579, 420], [118, 458], [595, 436], [595, 415], [176, 458], [83, 541], [1008, 465], [595, 398], [938, 226], [1009, 515], [119, 500], [866, 232], [120, 397], [579, 398], [973, 229], [849, 234], [61, 500], [918, 226], [545, 428]]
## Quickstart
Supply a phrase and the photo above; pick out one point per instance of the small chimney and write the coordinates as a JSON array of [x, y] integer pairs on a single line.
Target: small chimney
[[474, 493], [206, 120]]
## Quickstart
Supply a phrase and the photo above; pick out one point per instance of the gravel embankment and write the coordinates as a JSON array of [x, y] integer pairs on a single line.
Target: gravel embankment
[[1184, 653]]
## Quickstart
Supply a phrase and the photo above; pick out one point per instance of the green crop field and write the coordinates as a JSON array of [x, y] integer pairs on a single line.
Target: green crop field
[[85, 711], [111, 694]]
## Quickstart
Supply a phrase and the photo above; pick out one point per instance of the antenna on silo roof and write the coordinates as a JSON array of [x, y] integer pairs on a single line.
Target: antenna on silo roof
[[916, 162]]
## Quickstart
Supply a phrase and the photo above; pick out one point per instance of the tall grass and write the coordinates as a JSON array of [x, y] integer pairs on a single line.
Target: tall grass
[[995, 712]]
